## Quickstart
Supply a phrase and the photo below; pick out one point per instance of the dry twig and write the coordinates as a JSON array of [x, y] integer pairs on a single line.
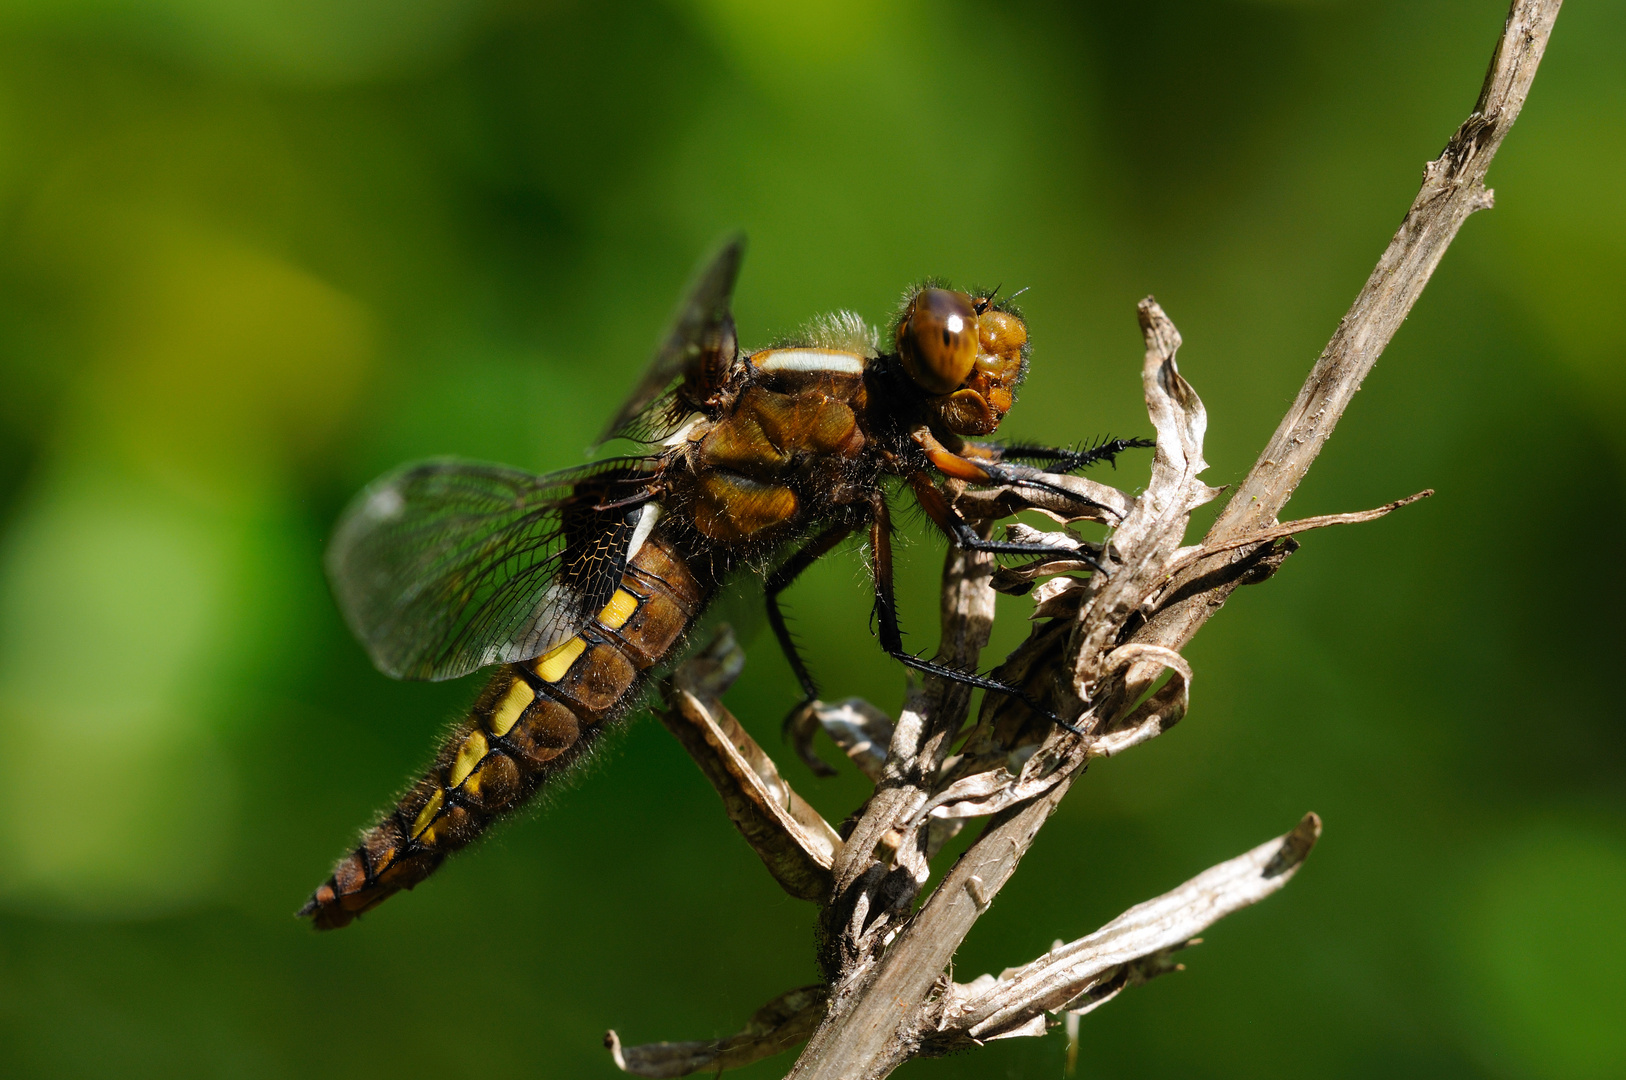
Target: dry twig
[[1100, 645]]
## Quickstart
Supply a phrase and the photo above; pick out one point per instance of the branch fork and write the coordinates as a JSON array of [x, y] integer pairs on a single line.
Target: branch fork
[[1104, 653]]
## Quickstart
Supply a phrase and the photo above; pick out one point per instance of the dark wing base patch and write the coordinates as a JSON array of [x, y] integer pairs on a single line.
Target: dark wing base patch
[[699, 346], [444, 567]]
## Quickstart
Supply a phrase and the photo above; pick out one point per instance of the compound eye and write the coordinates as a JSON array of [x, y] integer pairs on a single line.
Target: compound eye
[[937, 339]]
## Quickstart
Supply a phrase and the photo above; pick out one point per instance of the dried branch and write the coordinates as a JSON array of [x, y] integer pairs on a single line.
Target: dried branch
[[1084, 974], [1101, 643], [776, 1027]]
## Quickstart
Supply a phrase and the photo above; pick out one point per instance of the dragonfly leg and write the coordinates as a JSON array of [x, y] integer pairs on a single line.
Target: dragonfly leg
[[780, 580], [989, 463], [891, 634], [1058, 459], [962, 535]]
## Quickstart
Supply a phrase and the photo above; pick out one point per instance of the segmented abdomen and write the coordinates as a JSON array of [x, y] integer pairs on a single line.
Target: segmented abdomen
[[529, 724]]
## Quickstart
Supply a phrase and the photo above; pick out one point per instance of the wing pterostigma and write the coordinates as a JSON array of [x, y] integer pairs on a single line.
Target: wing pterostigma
[[442, 567]]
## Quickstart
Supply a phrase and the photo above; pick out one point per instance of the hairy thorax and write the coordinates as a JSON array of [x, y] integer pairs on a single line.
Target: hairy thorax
[[782, 455]]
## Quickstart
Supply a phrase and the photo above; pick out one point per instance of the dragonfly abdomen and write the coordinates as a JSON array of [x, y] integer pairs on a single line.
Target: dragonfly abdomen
[[529, 724]]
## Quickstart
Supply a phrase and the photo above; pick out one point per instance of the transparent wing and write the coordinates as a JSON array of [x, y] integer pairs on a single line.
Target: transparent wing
[[443, 567], [701, 336]]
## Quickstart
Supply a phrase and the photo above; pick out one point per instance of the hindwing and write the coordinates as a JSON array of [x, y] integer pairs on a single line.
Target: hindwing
[[446, 566]]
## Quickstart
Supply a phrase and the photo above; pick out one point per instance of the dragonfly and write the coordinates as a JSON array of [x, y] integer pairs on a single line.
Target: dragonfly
[[580, 586]]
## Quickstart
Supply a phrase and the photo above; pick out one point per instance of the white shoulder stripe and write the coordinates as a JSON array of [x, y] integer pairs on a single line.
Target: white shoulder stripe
[[810, 360], [681, 435], [648, 514]]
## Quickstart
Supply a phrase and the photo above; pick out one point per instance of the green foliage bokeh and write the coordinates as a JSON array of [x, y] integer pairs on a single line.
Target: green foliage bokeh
[[252, 253]]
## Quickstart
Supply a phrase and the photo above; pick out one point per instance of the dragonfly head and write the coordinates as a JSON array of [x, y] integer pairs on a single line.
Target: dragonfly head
[[967, 355]]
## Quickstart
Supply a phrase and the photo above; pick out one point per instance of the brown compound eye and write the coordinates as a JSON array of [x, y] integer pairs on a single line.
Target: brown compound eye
[[937, 339]]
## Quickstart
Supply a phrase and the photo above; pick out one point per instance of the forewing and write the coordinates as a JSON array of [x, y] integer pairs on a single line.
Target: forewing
[[444, 567], [702, 325]]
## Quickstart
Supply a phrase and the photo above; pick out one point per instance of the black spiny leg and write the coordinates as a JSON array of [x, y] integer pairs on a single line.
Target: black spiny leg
[[963, 536], [886, 611], [1064, 460], [778, 581], [1009, 464]]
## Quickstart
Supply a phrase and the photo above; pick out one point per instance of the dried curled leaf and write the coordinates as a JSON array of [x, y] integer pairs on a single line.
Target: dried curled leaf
[[795, 843], [712, 670], [1089, 501], [1147, 540], [1189, 556], [860, 729], [783, 1023], [1058, 598], [1128, 950], [1159, 712], [1024, 773], [1060, 540]]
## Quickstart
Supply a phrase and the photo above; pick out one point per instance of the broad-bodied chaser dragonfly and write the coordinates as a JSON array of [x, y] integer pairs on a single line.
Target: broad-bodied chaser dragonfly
[[582, 582]]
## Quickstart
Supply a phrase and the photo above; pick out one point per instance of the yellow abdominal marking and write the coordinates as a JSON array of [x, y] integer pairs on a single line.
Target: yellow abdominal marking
[[618, 610], [511, 708], [552, 665], [468, 756], [427, 814]]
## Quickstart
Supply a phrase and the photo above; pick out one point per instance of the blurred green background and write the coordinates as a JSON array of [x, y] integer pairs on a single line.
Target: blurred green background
[[252, 253]]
